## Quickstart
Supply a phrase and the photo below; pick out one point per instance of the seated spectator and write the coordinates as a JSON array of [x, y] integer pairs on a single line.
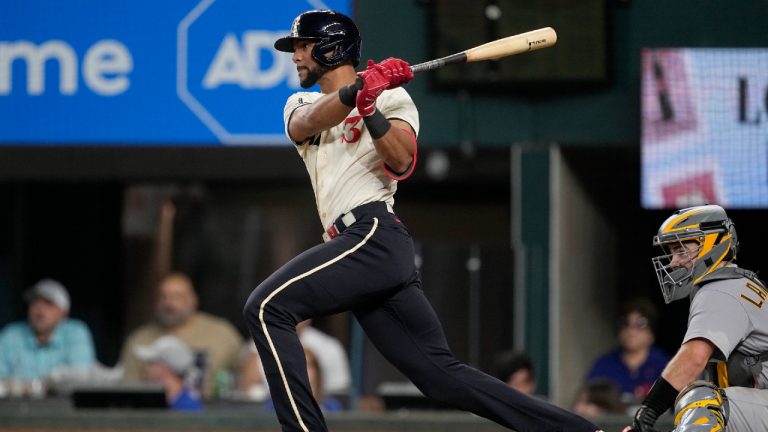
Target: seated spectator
[[30, 351], [516, 369], [326, 403], [331, 357], [168, 361], [636, 363], [215, 341], [598, 398], [316, 381]]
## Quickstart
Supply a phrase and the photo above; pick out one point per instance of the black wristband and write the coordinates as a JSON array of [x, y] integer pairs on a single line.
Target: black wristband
[[347, 95], [661, 397], [377, 124]]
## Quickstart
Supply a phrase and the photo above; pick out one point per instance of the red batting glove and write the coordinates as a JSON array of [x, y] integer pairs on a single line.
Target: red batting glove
[[397, 71], [374, 83]]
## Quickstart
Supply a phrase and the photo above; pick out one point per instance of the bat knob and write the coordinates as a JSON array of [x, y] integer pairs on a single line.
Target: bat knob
[[358, 84]]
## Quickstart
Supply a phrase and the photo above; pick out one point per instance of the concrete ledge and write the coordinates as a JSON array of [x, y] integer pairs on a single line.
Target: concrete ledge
[[32, 417]]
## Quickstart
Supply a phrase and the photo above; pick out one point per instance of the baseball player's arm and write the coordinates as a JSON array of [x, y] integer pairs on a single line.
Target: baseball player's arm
[[688, 363], [397, 146], [310, 119], [395, 140], [684, 368]]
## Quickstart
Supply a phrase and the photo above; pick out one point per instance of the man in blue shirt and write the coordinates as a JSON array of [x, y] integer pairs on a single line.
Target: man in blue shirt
[[31, 350]]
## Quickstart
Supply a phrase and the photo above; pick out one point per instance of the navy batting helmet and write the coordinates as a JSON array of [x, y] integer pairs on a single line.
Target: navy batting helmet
[[331, 31]]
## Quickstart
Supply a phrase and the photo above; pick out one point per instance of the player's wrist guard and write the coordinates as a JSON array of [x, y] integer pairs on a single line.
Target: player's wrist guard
[[347, 95], [378, 125], [661, 398]]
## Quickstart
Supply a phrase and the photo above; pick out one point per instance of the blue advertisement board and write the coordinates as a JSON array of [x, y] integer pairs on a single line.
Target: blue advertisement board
[[182, 72]]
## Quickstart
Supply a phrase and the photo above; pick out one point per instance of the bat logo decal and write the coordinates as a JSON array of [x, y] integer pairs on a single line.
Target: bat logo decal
[[534, 43]]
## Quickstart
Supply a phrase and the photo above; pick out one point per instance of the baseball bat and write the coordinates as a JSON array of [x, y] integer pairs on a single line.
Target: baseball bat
[[508, 46]]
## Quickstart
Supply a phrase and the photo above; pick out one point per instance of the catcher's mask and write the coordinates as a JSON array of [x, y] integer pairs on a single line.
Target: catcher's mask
[[715, 236], [332, 32]]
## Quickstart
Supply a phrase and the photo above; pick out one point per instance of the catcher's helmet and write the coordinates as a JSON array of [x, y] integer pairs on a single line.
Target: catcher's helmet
[[715, 234], [331, 31]]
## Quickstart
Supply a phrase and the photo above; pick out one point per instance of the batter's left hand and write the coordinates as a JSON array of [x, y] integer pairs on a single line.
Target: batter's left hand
[[397, 71], [374, 83]]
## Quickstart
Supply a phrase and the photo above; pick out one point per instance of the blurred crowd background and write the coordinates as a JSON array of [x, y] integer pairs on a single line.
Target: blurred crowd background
[[532, 204]]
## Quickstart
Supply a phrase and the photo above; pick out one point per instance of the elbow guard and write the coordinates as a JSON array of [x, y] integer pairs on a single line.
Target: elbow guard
[[701, 406]]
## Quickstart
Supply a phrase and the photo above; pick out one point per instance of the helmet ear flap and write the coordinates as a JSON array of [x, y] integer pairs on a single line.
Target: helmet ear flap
[[325, 46], [341, 50], [708, 262]]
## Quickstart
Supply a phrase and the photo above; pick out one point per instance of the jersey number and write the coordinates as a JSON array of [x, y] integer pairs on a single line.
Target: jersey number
[[759, 292], [351, 134]]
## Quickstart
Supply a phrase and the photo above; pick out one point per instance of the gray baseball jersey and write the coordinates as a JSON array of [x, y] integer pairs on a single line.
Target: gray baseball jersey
[[342, 162], [748, 409], [733, 315]]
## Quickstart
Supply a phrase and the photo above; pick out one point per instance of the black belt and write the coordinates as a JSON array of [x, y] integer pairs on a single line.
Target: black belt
[[348, 219]]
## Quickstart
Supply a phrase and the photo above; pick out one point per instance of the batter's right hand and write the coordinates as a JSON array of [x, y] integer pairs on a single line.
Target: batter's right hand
[[397, 71], [374, 83]]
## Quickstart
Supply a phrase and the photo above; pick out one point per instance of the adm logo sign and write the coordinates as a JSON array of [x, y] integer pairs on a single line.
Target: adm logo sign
[[228, 72]]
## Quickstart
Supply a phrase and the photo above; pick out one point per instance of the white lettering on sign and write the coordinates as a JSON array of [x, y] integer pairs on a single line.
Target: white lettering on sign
[[35, 58], [105, 67], [241, 64]]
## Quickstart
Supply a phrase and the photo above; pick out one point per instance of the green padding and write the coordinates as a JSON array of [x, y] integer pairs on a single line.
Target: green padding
[[534, 211]]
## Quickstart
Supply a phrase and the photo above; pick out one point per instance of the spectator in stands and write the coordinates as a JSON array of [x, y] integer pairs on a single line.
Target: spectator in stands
[[331, 358], [597, 398], [170, 362], [636, 363], [30, 351], [516, 369], [316, 381], [326, 403], [215, 342]]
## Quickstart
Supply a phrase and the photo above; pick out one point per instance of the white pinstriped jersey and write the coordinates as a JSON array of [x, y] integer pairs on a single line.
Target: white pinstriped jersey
[[733, 315], [342, 162]]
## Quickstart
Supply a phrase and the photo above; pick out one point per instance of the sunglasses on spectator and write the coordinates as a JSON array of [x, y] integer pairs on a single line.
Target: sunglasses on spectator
[[638, 324]]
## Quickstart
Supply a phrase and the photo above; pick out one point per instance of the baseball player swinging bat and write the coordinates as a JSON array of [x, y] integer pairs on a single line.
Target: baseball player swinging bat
[[508, 46], [366, 263]]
